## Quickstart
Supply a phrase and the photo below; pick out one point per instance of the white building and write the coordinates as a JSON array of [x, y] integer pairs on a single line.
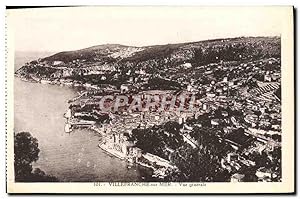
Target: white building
[[124, 88]]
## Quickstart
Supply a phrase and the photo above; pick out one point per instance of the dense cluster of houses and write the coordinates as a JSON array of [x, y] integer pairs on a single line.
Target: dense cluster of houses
[[250, 89]]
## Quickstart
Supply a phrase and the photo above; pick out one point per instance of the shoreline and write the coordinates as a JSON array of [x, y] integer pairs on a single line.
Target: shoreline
[[59, 82]]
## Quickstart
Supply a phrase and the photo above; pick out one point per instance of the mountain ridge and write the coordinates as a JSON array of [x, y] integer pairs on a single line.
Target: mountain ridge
[[101, 50], [172, 65]]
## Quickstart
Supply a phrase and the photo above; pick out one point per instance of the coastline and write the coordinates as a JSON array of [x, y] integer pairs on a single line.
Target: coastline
[[109, 151]]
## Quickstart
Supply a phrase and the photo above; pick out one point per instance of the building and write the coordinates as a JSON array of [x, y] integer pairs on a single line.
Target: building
[[67, 72], [237, 177], [264, 174], [187, 65], [225, 79], [232, 157], [211, 95], [124, 88], [189, 88], [268, 78], [55, 63], [214, 122], [238, 139]]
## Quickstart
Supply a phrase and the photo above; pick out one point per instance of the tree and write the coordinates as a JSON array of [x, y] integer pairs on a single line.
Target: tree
[[200, 164], [250, 173], [155, 139], [197, 165], [26, 152], [276, 163]]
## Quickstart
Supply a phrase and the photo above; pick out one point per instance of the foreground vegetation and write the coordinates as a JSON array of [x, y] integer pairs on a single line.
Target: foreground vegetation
[[26, 152]]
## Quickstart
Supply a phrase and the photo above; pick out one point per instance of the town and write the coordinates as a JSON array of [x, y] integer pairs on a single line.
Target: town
[[232, 133]]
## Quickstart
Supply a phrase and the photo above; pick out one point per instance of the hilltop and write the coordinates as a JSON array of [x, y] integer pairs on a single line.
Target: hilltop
[[116, 64], [225, 49]]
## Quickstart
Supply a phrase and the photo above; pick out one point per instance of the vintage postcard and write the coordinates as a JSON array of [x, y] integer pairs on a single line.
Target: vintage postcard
[[116, 99]]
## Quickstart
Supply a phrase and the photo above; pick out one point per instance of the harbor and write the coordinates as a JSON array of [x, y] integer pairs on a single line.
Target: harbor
[[115, 142], [71, 157]]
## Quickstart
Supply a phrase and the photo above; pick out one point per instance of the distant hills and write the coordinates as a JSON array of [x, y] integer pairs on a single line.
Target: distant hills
[[170, 66], [242, 48]]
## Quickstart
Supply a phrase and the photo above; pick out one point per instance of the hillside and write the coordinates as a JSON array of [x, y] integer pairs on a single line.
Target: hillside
[[245, 48], [116, 64]]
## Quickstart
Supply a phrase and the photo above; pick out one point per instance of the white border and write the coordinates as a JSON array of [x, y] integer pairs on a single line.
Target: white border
[[111, 2]]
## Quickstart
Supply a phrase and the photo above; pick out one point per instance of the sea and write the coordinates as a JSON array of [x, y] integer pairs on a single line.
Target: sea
[[71, 157]]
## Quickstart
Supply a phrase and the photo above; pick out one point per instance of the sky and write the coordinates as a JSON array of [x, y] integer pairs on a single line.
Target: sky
[[62, 29]]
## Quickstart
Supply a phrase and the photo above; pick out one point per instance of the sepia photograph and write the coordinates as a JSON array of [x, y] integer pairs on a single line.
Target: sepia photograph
[[150, 99]]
